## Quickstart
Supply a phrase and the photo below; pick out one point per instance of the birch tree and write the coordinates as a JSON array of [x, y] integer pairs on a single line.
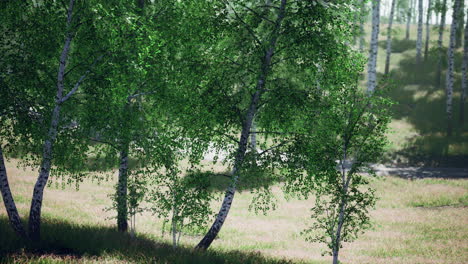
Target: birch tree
[[408, 19], [260, 44], [443, 10], [45, 126], [343, 200], [428, 29], [459, 34], [372, 65], [9, 201], [420, 31], [389, 37], [451, 66], [464, 75]]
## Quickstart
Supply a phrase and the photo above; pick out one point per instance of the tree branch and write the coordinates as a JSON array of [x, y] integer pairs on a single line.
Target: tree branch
[[251, 32], [257, 14], [78, 83]]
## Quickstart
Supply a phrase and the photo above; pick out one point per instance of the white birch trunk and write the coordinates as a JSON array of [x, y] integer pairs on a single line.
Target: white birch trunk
[[428, 30], [389, 37], [372, 65], [461, 18], [420, 32], [8, 201], [253, 137], [345, 179], [361, 26], [464, 75], [451, 66], [408, 20], [38, 192], [440, 44], [121, 194], [246, 126]]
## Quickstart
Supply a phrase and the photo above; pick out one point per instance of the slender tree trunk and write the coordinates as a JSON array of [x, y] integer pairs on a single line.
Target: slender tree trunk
[[408, 20], [420, 32], [174, 226], [389, 37], [440, 43], [428, 30], [372, 65], [246, 127], [10, 206], [345, 179], [464, 75], [361, 26], [451, 66], [253, 137], [461, 19], [121, 192], [36, 203]]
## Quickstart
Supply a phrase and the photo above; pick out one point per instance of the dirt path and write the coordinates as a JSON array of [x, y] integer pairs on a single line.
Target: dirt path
[[421, 172]]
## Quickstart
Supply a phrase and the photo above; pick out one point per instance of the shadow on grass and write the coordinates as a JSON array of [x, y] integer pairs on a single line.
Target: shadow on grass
[[422, 103], [67, 242], [399, 45]]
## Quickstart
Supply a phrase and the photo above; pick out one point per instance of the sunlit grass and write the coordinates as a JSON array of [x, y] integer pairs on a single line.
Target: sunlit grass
[[419, 221]]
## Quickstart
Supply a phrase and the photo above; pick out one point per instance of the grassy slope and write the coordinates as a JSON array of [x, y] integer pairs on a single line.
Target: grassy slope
[[421, 221], [419, 124]]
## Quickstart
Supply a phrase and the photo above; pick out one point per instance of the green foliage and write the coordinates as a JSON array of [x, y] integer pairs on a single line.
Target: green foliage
[[183, 201], [326, 211], [343, 197]]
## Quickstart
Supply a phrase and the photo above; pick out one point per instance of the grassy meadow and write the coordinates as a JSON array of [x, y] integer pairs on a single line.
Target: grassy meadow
[[420, 221]]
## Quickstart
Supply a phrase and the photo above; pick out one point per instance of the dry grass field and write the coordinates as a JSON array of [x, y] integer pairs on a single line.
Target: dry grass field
[[419, 221]]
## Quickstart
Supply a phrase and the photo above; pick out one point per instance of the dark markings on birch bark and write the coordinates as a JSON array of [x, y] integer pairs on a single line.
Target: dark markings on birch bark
[[440, 43], [389, 38], [38, 192], [420, 32], [361, 26], [8, 201], [464, 75], [408, 20], [121, 192], [345, 179], [461, 18], [428, 30], [372, 65], [451, 66], [246, 126]]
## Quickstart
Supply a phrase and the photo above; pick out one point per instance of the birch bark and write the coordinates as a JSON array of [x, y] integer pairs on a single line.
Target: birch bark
[[464, 75], [428, 29], [461, 18], [420, 32], [389, 37], [372, 65], [8, 201], [246, 126], [361, 26], [47, 155], [253, 137], [440, 43], [345, 179], [121, 195], [408, 20], [451, 66]]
